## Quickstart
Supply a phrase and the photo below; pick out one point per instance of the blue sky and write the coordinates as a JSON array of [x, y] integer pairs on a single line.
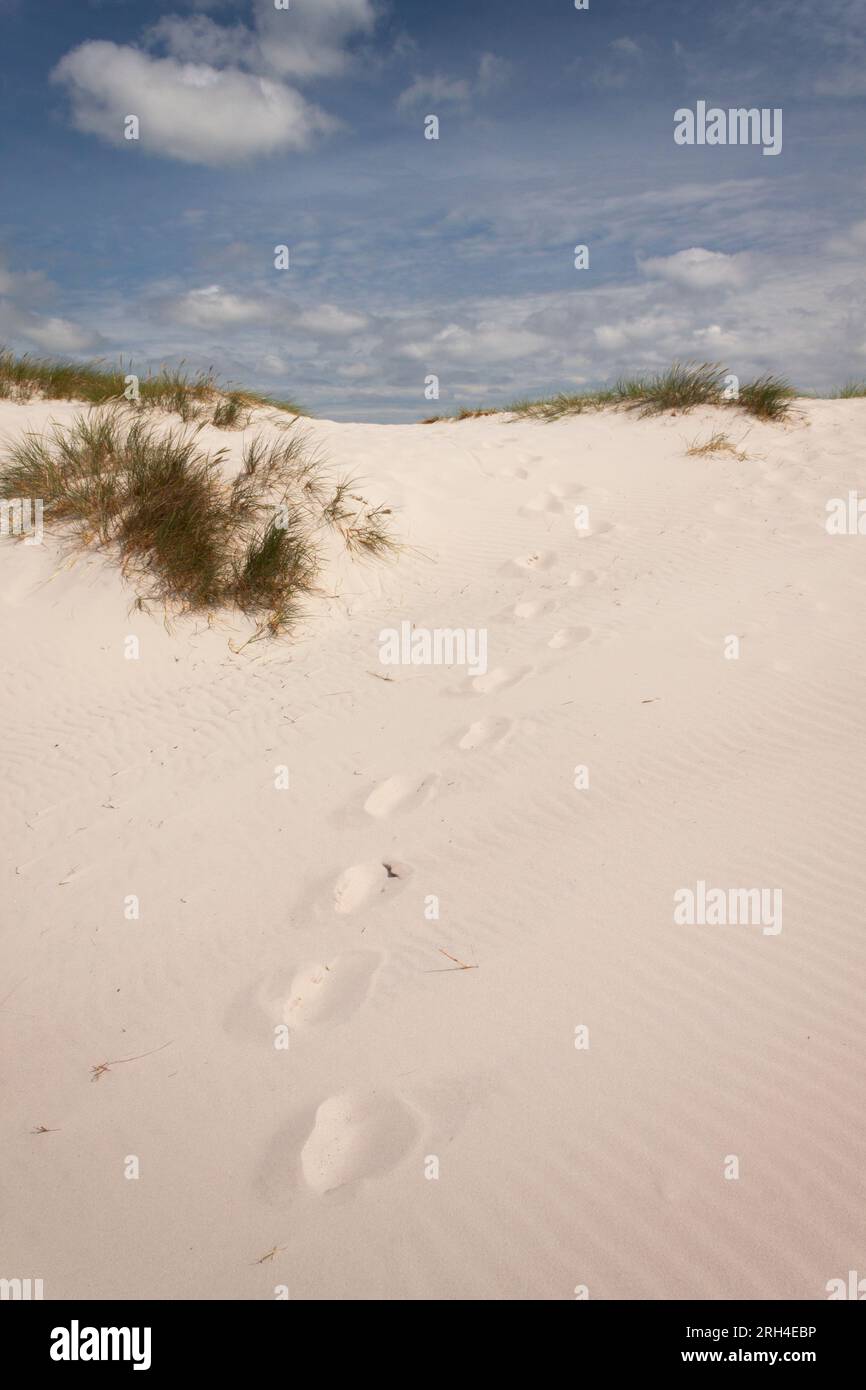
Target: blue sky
[[411, 257]]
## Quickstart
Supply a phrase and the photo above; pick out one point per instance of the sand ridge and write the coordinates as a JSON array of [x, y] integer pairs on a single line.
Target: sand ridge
[[362, 996]]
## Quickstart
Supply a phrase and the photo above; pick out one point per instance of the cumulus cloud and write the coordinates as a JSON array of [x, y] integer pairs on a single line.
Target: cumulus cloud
[[198, 39], [57, 335], [50, 334], [213, 307], [207, 92], [635, 332], [697, 269], [191, 112]]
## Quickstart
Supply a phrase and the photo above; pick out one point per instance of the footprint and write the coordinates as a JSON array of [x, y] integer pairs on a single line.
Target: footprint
[[307, 995], [356, 1135], [500, 678], [485, 731], [361, 883], [400, 792], [601, 528], [329, 992], [578, 578], [543, 502], [537, 560], [531, 608], [568, 636]]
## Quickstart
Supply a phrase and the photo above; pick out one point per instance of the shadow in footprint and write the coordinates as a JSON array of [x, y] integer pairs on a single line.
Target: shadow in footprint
[[364, 883], [352, 1137]]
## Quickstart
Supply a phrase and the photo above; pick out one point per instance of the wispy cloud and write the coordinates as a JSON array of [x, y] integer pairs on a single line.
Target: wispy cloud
[[438, 90]]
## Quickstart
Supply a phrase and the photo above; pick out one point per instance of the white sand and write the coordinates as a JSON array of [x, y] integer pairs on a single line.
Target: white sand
[[558, 1166]]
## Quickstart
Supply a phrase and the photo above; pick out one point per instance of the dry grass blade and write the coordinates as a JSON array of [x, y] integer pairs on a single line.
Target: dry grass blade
[[102, 1067], [718, 443]]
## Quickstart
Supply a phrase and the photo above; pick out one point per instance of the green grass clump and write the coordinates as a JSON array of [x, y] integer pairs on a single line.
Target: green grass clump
[[852, 389], [184, 534], [564, 403], [679, 388], [231, 412], [769, 397], [192, 398], [682, 387]]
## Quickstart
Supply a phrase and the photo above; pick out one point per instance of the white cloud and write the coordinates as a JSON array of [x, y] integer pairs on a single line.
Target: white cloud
[[620, 70], [19, 292], [851, 242], [213, 307], [57, 334], [486, 342], [629, 333], [435, 91], [198, 39], [697, 269], [311, 39], [215, 93], [493, 72], [626, 46], [52, 335], [330, 321], [439, 90], [190, 112], [713, 340]]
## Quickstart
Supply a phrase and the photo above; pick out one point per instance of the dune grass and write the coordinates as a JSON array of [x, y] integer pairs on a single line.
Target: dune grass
[[718, 443], [462, 414], [231, 413], [769, 397], [185, 534], [852, 389], [680, 388], [193, 398]]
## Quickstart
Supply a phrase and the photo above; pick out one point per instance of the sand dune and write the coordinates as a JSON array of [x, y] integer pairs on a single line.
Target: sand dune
[[323, 1099]]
